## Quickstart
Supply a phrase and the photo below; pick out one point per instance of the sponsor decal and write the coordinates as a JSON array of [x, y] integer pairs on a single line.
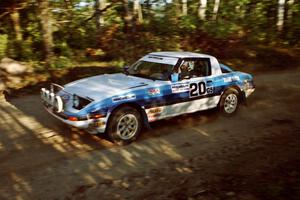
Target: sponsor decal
[[155, 110], [198, 89], [154, 91], [230, 79], [209, 90], [235, 78], [124, 98], [227, 79], [154, 117], [154, 113], [178, 88], [156, 57]]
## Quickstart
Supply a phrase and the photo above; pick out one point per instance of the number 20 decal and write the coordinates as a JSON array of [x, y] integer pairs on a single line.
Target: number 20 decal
[[198, 89]]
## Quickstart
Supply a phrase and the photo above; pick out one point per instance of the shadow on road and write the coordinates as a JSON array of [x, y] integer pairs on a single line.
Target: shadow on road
[[40, 154]]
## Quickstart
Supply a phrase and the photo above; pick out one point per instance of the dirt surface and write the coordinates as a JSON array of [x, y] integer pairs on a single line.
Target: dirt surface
[[252, 155]]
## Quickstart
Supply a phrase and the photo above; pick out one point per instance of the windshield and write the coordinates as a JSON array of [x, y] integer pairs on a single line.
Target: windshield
[[151, 70]]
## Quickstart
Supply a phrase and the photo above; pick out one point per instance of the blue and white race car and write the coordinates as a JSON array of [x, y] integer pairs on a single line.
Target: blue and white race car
[[159, 85]]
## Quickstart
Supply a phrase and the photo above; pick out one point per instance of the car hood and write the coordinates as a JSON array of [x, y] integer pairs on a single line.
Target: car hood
[[104, 86]]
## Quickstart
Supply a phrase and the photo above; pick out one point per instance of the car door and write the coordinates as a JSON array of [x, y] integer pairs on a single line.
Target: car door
[[194, 91], [201, 87]]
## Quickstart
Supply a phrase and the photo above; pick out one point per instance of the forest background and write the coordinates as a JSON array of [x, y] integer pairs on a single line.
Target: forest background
[[62, 34]]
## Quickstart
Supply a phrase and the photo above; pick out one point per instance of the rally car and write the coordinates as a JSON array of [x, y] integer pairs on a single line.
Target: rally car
[[159, 85]]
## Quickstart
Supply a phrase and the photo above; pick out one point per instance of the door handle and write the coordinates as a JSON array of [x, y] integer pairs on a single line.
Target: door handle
[[209, 81]]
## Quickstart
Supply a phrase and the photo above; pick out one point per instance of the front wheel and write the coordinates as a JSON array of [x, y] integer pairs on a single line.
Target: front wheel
[[229, 102], [124, 126]]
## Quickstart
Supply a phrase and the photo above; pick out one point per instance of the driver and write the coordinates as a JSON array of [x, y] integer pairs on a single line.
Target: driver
[[185, 70]]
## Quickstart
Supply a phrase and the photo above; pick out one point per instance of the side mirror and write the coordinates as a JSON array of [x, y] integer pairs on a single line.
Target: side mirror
[[174, 77], [125, 69]]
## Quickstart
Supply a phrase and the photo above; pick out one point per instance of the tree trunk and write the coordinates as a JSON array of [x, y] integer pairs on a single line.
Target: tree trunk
[[202, 9], [216, 9], [184, 7], [290, 9], [178, 7], [126, 16], [280, 15], [99, 5], [46, 24], [137, 11], [15, 17], [68, 4]]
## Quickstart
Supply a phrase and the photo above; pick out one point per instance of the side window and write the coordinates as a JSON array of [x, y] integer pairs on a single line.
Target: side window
[[196, 67], [202, 68], [186, 69]]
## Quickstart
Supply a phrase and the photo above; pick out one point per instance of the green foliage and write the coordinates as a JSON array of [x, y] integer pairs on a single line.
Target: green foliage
[[62, 49], [123, 39], [3, 45], [188, 23], [221, 29], [61, 62]]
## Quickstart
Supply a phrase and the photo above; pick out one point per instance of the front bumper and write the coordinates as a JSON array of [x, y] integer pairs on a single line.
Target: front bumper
[[92, 126]]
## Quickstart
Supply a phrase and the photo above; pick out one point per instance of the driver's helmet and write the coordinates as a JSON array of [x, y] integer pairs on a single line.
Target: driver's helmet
[[190, 66], [187, 66]]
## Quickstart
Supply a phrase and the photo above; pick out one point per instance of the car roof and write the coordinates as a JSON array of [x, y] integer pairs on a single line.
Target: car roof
[[179, 54]]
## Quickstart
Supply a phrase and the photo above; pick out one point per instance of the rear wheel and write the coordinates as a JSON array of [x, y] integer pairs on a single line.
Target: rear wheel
[[229, 102], [124, 126]]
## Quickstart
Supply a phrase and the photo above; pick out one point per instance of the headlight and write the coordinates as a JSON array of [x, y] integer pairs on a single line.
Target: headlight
[[80, 102], [76, 101]]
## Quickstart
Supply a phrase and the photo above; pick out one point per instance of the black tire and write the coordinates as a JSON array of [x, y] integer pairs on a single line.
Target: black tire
[[127, 118], [229, 102]]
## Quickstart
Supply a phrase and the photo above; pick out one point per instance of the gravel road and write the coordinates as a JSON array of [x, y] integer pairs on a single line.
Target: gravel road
[[252, 155]]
